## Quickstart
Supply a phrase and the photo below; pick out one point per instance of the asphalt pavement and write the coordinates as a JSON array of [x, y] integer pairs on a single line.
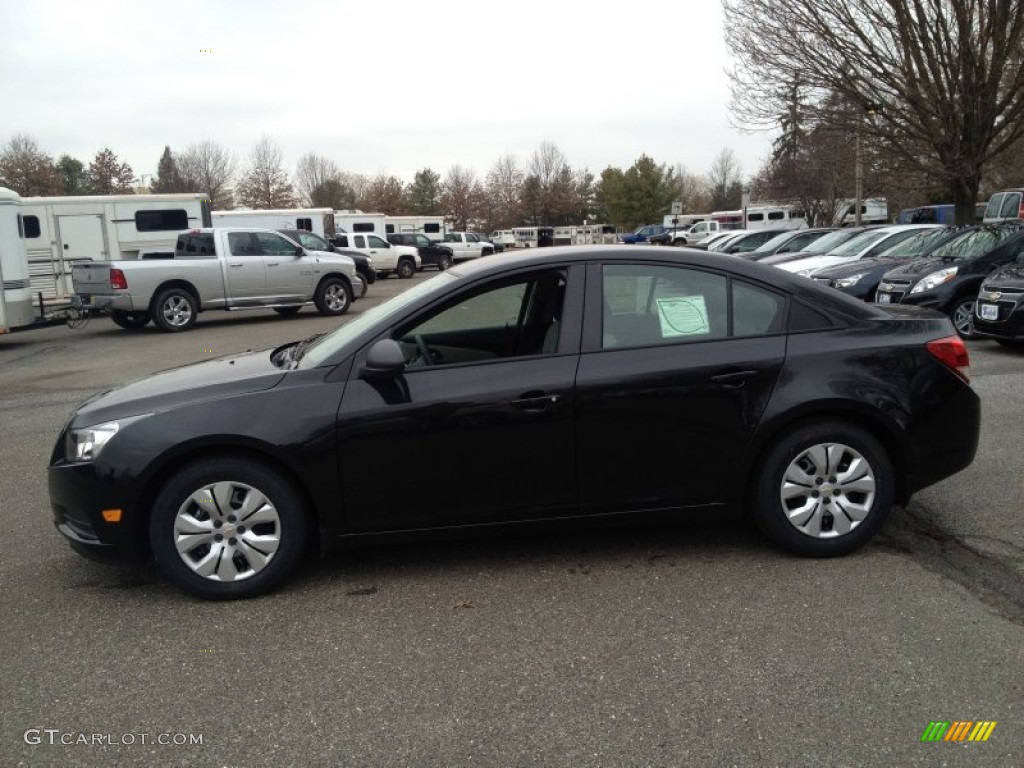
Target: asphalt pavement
[[687, 644]]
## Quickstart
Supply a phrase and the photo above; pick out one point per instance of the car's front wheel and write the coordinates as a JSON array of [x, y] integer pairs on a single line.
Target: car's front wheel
[[444, 261], [333, 296], [406, 269], [227, 528], [962, 316], [823, 489]]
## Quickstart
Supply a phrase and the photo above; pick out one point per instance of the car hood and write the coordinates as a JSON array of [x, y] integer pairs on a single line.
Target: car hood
[[815, 262], [919, 268], [856, 267], [209, 380], [782, 258], [1010, 276]]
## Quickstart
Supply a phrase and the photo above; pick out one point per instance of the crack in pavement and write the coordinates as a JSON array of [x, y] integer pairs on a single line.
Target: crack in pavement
[[992, 578]]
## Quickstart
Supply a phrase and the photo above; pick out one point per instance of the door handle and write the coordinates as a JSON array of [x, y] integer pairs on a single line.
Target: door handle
[[734, 379], [235, 264], [537, 403], [272, 263]]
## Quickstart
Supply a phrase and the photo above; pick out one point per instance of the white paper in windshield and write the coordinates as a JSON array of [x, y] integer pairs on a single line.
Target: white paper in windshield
[[683, 316]]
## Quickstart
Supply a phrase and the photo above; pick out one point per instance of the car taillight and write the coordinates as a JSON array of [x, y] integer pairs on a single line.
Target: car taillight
[[117, 280], [951, 352]]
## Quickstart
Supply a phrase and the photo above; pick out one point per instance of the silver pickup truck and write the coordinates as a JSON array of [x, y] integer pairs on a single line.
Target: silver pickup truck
[[218, 268]]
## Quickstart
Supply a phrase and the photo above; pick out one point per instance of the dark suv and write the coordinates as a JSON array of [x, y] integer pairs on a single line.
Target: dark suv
[[949, 278], [431, 254]]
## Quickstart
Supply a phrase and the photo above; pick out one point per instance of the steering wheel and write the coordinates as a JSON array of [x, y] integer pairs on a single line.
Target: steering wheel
[[424, 350]]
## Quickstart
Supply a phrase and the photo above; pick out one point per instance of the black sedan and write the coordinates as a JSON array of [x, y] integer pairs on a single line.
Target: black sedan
[[563, 383], [999, 313]]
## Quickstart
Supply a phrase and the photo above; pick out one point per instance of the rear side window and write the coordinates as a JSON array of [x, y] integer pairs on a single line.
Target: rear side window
[[195, 245], [804, 318], [170, 220], [1011, 205], [341, 241], [992, 212], [755, 311]]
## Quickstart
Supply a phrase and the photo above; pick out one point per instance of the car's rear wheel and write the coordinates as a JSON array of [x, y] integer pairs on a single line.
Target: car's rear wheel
[[287, 311], [333, 296], [406, 269], [962, 316], [679, 242], [130, 321], [174, 310], [227, 528], [823, 489]]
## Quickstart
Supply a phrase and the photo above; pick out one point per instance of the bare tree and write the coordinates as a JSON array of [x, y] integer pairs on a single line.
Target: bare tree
[[945, 77], [724, 181], [265, 182], [208, 167], [549, 169], [26, 169], [691, 190], [504, 192], [317, 180], [461, 196]]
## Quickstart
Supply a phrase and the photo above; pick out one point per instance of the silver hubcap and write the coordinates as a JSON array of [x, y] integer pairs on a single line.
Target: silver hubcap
[[962, 317], [177, 310], [827, 490], [335, 297], [227, 531]]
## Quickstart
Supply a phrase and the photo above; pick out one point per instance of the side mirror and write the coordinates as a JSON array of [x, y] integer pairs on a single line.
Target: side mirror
[[330, 247], [385, 359]]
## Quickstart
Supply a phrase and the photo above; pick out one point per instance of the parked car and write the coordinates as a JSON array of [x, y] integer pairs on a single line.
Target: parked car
[[949, 279], [666, 237], [708, 242], [871, 242], [697, 233], [999, 312], [823, 244], [468, 245], [311, 241], [402, 260], [1007, 205], [812, 410], [748, 241], [787, 241], [432, 254], [642, 234], [860, 278], [720, 244]]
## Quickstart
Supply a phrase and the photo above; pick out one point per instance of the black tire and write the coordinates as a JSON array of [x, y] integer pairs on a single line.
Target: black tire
[[384, 274], [246, 571], [846, 499], [130, 321], [333, 296], [679, 242], [288, 311], [962, 315], [444, 262], [406, 268], [174, 310], [487, 252]]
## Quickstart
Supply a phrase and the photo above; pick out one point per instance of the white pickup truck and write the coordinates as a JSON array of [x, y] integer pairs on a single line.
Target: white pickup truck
[[467, 245], [403, 260], [218, 268], [697, 233]]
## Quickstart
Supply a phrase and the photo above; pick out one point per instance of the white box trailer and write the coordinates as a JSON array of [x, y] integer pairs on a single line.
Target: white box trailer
[[431, 226], [359, 222], [319, 221], [15, 295], [62, 231]]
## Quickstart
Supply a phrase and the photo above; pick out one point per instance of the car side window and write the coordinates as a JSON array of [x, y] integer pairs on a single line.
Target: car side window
[[242, 244], [1011, 205], [376, 242], [274, 245], [359, 240], [648, 305], [755, 311], [450, 238], [511, 319]]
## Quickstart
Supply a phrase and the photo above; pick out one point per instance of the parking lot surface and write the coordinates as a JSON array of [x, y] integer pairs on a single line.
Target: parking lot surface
[[692, 643]]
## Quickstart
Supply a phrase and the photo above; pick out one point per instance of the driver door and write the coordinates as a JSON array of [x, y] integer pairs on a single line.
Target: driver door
[[479, 427]]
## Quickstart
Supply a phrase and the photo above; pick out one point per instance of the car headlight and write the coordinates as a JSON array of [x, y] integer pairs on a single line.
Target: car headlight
[[807, 272], [85, 444], [369, 261], [848, 282], [934, 280]]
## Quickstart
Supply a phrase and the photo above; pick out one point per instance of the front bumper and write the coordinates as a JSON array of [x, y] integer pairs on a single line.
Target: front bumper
[[999, 315]]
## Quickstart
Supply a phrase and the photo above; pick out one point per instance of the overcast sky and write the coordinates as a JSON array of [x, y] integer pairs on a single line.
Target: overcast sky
[[376, 86]]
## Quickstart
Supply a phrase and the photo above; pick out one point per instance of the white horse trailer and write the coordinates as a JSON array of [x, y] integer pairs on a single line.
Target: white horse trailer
[[319, 221], [768, 216], [594, 234], [16, 295], [359, 222], [431, 226], [62, 231]]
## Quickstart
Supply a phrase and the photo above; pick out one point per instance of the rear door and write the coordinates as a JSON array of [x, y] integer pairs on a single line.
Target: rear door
[[671, 383]]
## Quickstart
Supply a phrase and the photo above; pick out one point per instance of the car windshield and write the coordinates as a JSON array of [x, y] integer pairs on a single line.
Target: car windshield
[[329, 345], [971, 245], [831, 241], [916, 245], [775, 242], [855, 245]]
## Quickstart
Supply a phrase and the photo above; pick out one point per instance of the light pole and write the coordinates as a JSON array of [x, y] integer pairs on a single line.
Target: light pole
[[870, 110]]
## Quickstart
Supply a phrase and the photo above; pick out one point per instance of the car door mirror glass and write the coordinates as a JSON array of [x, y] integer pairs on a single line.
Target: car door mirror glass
[[384, 359]]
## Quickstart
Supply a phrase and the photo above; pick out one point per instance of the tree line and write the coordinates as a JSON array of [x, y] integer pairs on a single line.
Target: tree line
[[543, 190]]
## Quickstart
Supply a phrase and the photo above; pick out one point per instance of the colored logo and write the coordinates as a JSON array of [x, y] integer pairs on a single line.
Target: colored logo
[[958, 730]]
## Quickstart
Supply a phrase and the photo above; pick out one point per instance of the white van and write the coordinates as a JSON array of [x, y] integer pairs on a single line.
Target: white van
[[1007, 205]]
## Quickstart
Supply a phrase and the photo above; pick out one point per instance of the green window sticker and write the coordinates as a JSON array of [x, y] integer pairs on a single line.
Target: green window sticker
[[683, 316]]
